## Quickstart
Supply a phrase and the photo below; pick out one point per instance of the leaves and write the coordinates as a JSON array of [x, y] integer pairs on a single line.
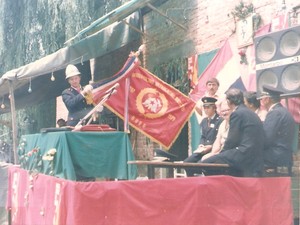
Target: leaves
[[174, 73], [243, 10]]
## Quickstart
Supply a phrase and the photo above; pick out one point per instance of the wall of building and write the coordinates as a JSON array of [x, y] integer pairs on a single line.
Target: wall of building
[[208, 24]]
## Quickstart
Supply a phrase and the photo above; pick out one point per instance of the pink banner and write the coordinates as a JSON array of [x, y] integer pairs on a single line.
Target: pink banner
[[41, 199]]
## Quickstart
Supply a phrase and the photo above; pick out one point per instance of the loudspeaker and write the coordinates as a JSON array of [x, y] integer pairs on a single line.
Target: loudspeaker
[[278, 61]]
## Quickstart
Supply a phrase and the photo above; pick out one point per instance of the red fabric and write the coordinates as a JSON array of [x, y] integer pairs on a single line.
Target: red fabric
[[33, 199], [193, 70], [155, 108], [191, 201], [294, 107], [97, 127], [151, 106]]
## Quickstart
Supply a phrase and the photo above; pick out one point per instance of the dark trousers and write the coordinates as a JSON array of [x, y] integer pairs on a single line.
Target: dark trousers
[[232, 171], [194, 158]]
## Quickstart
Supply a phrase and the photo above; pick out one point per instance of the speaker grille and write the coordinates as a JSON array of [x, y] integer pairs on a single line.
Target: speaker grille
[[290, 43], [267, 77], [290, 78], [278, 61], [266, 49]]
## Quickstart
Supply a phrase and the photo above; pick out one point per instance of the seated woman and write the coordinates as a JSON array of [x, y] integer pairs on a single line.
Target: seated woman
[[251, 101]]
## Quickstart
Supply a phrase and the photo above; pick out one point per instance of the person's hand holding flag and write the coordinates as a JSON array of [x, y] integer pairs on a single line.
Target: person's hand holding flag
[[87, 93]]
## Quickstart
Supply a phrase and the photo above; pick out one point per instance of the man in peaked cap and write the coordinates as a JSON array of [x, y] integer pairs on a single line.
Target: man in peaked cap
[[209, 128], [279, 128], [269, 91], [73, 97]]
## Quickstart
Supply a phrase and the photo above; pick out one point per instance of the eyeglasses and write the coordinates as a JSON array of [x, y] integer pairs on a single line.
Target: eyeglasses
[[225, 112], [207, 106]]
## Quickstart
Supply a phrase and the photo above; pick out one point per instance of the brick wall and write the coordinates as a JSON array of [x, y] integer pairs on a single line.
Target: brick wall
[[208, 23]]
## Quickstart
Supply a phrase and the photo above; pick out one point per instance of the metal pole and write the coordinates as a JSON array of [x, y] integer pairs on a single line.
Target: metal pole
[[13, 121], [164, 15]]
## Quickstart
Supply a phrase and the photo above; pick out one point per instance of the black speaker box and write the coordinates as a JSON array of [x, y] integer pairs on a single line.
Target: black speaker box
[[277, 57]]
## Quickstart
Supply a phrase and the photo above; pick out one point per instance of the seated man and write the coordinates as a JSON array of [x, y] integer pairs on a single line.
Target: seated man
[[279, 127], [243, 148], [209, 128]]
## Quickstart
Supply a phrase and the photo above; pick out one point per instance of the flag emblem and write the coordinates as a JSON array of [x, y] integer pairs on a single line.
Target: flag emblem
[[151, 103]]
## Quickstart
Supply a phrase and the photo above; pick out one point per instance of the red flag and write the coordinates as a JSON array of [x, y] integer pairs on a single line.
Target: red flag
[[154, 107], [193, 70]]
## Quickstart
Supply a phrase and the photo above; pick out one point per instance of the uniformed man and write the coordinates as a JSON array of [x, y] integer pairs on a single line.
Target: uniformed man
[[209, 128], [73, 97], [279, 127]]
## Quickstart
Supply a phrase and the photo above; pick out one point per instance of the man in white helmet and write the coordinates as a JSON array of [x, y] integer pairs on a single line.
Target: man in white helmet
[[73, 97]]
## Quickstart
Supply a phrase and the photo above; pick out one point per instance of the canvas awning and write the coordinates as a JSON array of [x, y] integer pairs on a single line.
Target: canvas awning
[[38, 73]]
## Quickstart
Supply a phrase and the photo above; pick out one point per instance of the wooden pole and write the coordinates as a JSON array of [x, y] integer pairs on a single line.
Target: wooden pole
[[13, 120]]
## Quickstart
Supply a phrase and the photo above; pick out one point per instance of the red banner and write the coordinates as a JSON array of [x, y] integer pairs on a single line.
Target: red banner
[[41, 199], [154, 107]]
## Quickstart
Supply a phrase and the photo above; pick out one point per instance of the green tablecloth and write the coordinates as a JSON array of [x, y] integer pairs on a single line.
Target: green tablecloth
[[85, 154]]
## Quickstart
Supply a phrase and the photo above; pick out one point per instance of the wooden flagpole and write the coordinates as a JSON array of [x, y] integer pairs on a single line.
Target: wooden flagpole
[[13, 121]]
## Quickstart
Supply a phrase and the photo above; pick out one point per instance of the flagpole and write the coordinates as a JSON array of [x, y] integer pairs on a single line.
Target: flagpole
[[127, 88]]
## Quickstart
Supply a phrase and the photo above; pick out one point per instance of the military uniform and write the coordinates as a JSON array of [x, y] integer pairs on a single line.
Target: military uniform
[[76, 105], [279, 127], [209, 129]]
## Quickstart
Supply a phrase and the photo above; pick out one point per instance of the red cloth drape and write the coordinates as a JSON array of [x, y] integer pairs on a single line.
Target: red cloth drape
[[190, 201]]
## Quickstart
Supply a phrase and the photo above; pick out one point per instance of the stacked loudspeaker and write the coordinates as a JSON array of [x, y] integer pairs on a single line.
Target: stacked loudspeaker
[[278, 61]]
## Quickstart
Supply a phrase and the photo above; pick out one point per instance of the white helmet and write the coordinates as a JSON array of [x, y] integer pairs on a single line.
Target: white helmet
[[71, 71]]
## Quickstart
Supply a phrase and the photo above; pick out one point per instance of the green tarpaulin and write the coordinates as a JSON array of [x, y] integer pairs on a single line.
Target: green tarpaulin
[[79, 154]]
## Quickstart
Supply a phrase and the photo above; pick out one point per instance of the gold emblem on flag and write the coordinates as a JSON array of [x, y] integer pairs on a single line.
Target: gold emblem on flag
[[151, 103]]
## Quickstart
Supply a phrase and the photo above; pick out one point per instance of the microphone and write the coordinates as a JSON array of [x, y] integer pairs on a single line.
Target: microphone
[[108, 94], [113, 91], [115, 86]]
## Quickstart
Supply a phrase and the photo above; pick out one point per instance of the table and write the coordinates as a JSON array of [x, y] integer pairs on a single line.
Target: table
[[170, 166], [85, 154]]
